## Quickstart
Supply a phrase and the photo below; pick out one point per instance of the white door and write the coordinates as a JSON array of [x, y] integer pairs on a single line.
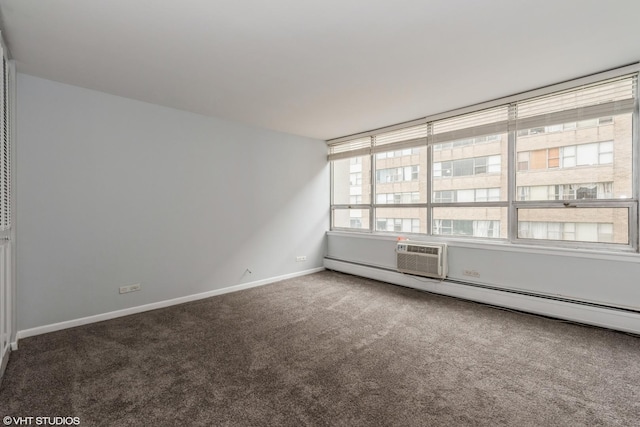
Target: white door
[[7, 297]]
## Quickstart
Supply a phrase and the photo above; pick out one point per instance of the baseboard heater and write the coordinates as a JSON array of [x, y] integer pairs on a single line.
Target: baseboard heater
[[601, 315], [487, 287]]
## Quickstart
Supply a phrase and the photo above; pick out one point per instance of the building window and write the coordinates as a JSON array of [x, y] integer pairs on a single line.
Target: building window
[[348, 185], [398, 198], [566, 126], [553, 158], [347, 218], [466, 227], [591, 154], [397, 153], [573, 231], [466, 167], [466, 142], [600, 153], [405, 225], [444, 196], [600, 190], [588, 224], [467, 195], [406, 173], [523, 161]]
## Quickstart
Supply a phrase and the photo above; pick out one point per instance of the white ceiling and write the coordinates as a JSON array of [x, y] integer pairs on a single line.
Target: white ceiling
[[324, 68]]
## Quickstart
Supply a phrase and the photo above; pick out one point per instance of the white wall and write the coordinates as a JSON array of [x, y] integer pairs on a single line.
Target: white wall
[[113, 191], [611, 280]]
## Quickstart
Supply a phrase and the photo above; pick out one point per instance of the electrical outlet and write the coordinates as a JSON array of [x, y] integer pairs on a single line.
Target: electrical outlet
[[301, 258], [470, 273], [130, 288]]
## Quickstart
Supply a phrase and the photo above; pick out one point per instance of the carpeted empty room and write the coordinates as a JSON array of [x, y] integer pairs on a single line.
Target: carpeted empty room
[[328, 349]]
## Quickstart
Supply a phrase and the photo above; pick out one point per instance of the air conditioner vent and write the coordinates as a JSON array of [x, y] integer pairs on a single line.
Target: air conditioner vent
[[422, 259], [430, 250]]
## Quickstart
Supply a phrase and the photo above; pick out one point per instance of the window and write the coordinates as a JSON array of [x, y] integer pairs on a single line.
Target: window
[[406, 173], [466, 227], [465, 167], [566, 126], [398, 178], [553, 158], [575, 231], [398, 198], [444, 196], [468, 195], [351, 187], [472, 222], [608, 159], [596, 225], [600, 190], [406, 225], [561, 167], [347, 218], [523, 161], [556, 169], [594, 154], [355, 223], [487, 195], [466, 142], [397, 153], [567, 157]]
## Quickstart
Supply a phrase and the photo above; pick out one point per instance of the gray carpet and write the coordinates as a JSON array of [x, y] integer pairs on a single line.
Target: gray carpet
[[328, 349]]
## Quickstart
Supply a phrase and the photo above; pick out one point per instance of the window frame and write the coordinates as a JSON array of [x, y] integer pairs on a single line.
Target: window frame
[[513, 201]]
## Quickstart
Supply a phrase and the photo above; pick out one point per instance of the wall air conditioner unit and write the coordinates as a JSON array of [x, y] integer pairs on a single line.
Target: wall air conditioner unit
[[422, 259]]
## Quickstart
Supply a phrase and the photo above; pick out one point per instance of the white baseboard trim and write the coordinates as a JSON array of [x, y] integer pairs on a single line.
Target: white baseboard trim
[[597, 316], [153, 306]]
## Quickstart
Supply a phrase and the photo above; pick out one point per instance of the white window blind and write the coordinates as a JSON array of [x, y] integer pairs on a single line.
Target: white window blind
[[603, 99], [402, 138], [480, 123], [351, 148], [591, 101], [5, 152]]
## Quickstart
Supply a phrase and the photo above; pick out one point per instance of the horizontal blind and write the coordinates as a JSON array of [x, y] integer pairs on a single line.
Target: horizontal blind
[[595, 100], [603, 99], [5, 152], [480, 123], [410, 137], [352, 148]]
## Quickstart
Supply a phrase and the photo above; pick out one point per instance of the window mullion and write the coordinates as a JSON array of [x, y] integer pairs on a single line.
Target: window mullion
[[429, 178], [634, 226], [372, 188], [512, 215]]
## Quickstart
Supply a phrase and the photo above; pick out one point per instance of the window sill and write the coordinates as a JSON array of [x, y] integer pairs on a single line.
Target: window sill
[[499, 245]]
